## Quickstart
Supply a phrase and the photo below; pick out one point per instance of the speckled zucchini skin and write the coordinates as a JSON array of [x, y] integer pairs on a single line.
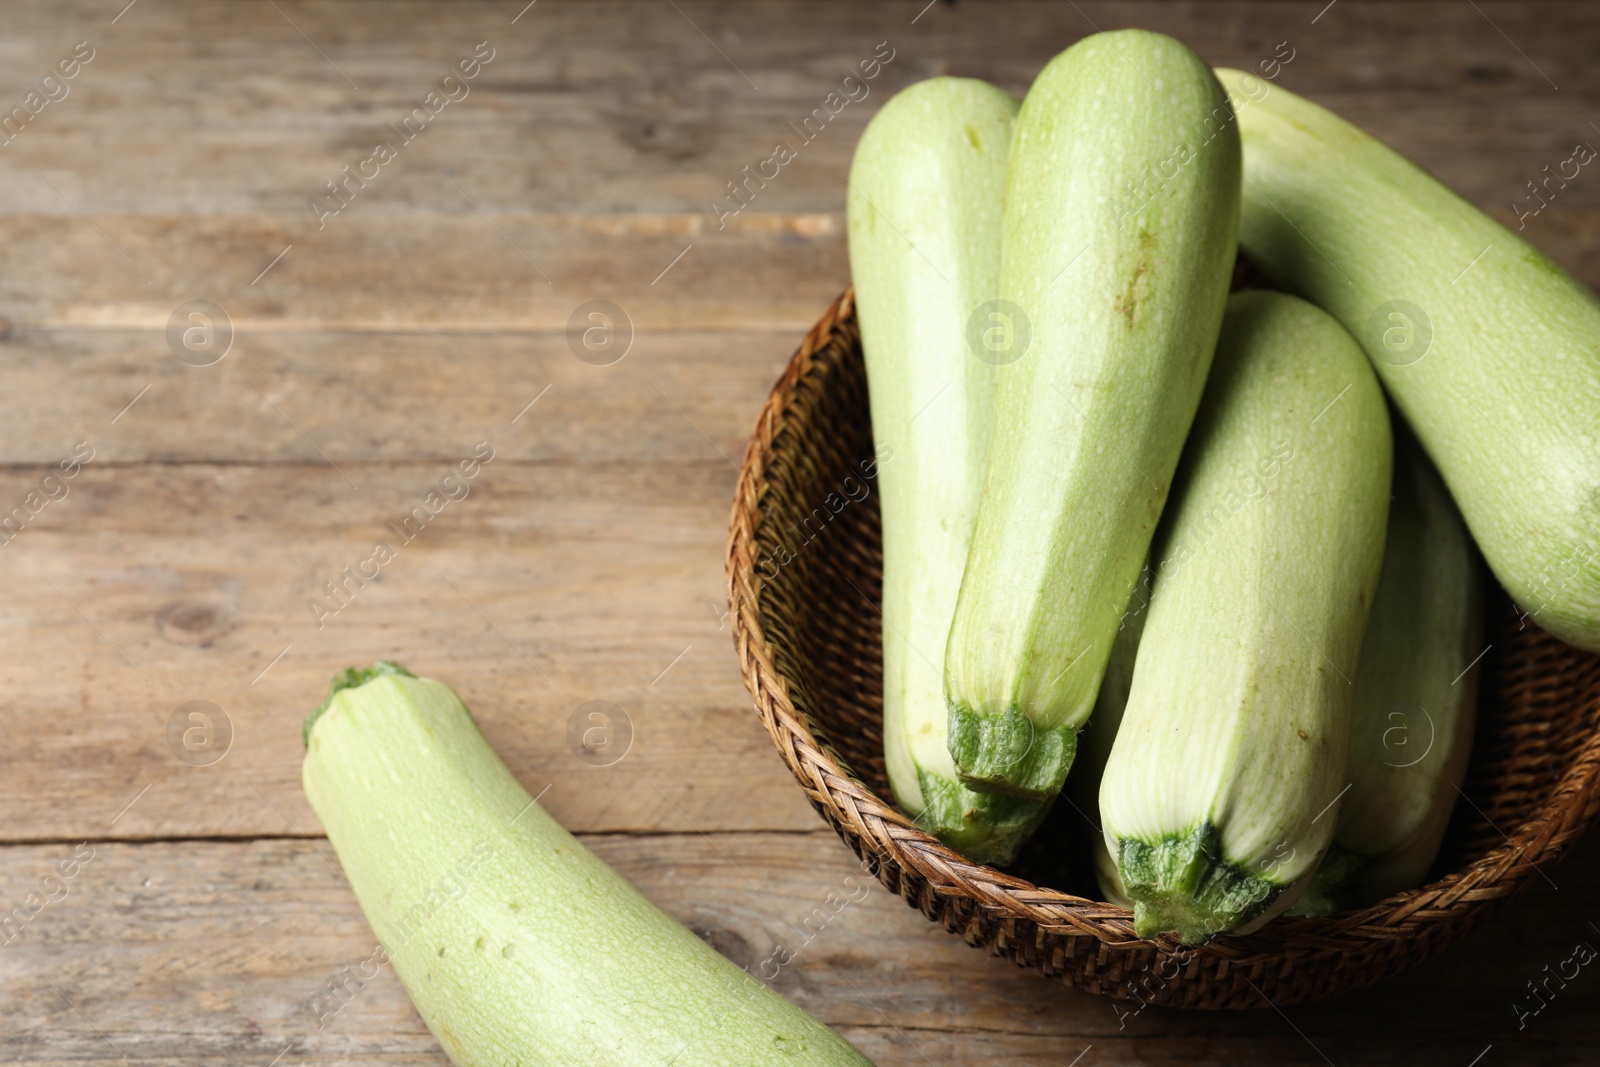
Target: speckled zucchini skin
[[925, 195], [1416, 694], [1119, 235], [1221, 790], [1489, 348], [516, 943]]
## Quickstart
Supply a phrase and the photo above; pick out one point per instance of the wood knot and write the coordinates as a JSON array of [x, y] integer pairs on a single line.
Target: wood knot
[[193, 623], [665, 118]]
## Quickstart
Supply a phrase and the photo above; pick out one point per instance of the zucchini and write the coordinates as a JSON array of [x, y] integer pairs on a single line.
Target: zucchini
[[1416, 698], [923, 210], [517, 944], [1488, 348], [1223, 780], [1122, 200]]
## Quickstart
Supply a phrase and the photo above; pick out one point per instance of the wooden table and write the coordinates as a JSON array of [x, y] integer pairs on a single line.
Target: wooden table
[[359, 355]]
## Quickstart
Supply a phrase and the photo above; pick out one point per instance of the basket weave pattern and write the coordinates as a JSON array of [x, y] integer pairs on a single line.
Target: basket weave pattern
[[804, 577]]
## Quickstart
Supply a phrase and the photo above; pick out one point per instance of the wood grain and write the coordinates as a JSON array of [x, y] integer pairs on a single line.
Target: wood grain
[[374, 351], [186, 952], [611, 107], [549, 585], [446, 275], [597, 139], [307, 399], [449, 277]]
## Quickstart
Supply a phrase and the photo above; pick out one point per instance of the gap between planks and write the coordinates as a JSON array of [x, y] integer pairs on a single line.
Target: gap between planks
[[145, 324], [245, 839]]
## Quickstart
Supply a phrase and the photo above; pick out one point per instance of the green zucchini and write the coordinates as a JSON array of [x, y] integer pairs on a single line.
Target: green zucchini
[[1416, 698], [1221, 790], [923, 208], [1489, 349], [1120, 217], [517, 944]]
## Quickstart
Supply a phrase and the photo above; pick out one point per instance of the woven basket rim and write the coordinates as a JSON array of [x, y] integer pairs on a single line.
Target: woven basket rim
[[882, 830]]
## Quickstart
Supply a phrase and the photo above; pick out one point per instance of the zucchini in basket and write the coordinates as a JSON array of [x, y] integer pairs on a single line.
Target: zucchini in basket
[[924, 202], [1486, 346], [1121, 211], [1222, 787], [1416, 698]]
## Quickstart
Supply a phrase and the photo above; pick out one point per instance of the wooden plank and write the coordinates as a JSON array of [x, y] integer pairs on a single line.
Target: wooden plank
[[356, 398], [648, 117], [619, 566], [548, 586], [187, 952], [598, 169], [442, 273], [415, 323], [447, 276]]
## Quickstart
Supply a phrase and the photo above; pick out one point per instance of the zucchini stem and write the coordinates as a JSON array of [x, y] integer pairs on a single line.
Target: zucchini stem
[[1183, 885], [984, 827], [350, 678], [1008, 754]]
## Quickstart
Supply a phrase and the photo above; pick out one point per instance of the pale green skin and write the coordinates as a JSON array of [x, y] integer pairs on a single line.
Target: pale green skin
[[1089, 422], [925, 194], [548, 956], [1416, 701], [1507, 398], [1094, 748], [1213, 802]]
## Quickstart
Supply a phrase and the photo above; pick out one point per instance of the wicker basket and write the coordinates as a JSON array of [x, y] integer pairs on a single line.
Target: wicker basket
[[803, 599]]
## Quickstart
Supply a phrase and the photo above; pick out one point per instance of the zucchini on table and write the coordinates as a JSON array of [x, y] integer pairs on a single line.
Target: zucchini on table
[[924, 201], [1222, 787], [1121, 209], [517, 944], [1416, 698], [1490, 349]]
